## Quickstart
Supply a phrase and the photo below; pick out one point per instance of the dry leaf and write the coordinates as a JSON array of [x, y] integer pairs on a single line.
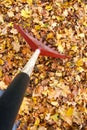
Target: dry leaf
[[65, 12], [49, 7], [42, 128], [68, 119], [1, 18], [37, 121], [69, 112], [82, 35], [16, 46], [60, 18], [1, 62], [54, 103], [74, 48], [37, 27], [79, 62], [1, 73], [60, 47], [10, 13], [14, 31], [25, 13], [29, 2], [50, 35], [54, 117]]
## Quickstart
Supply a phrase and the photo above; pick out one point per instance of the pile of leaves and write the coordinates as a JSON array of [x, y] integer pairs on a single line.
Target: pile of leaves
[[56, 98]]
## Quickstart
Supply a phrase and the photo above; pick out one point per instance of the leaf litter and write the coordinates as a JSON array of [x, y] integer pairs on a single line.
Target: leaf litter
[[57, 95]]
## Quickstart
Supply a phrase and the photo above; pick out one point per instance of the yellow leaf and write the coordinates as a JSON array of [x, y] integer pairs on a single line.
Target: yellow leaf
[[78, 78], [0, 72], [50, 35], [74, 48], [37, 27], [49, 7], [65, 4], [69, 112], [58, 36], [81, 35], [68, 64], [10, 24], [45, 92], [80, 69], [34, 100], [54, 117], [84, 59], [1, 62], [79, 62], [54, 103], [45, 25], [63, 115], [7, 2], [79, 0], [25, 13], [60, 18], [37, 121], [29, 2], [85, 23], [60, 48]]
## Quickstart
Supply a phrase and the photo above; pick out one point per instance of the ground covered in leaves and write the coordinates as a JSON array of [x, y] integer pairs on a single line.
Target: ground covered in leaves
[[56, 98]]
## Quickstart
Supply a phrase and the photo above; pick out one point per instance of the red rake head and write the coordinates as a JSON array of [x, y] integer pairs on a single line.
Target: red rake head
[[35, 44]]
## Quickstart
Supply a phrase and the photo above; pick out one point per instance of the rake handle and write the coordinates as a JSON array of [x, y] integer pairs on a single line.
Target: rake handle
[[11, 100]]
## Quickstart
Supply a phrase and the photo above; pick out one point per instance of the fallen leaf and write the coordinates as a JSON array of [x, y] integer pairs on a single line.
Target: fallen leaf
[[60, 18], [82, 35], [14, 31], [74, 48], [60, 47], [1, 73], [80, 69], [1, 18], [30, 2], [37, 121], [79, 62], [50, 35], [16, 46], [10, 14], [69, 112], [62, 112], [49, 7], [37, 27], [65, 13], [54, 117], [1, 62], [54, 103], [25, 13]]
